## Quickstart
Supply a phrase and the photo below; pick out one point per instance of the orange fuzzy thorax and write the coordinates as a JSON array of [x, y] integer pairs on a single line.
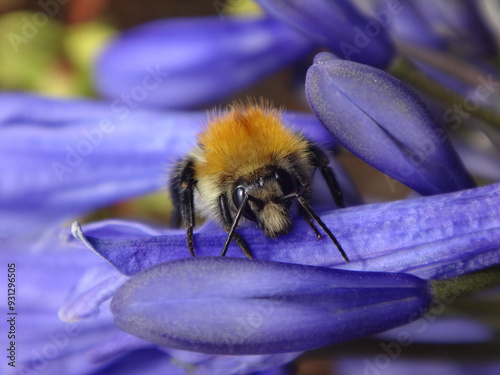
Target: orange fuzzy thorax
[[244, 139]]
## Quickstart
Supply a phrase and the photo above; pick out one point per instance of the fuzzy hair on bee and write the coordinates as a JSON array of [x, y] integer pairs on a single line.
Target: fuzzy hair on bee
[[248, 164]]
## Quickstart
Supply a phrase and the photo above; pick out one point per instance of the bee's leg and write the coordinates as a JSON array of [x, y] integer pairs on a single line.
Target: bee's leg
[[182, 186], [227, 220], [319, 160], [306, 195], [307, 211]]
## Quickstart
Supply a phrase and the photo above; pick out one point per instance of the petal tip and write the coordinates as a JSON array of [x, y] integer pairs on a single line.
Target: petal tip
[[324, 57], [76, 231]]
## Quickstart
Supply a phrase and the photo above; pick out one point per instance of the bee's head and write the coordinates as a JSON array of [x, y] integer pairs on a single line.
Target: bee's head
[[267, 199]]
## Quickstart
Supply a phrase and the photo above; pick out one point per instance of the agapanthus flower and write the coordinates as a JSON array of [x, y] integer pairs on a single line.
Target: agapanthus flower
[[125, 297], [381, 243]]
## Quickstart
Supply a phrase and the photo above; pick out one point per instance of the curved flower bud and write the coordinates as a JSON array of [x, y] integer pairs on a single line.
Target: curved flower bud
[[385, 123], [338, 25], [236, 306], [184, 63]]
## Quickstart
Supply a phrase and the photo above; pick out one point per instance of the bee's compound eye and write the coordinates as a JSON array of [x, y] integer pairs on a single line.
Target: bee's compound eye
[[285, 181], [238, 197]]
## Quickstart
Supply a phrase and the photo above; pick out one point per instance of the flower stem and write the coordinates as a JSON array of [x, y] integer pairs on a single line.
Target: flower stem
[[405, 70], [450, 289]]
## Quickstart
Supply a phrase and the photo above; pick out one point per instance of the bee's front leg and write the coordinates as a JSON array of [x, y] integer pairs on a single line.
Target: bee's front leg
[[227, 220]]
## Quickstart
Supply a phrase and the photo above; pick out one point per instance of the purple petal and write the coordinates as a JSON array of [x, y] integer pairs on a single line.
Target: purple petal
[[405, 23], [60, 158], [410, 366], [120, 344], [184, 63], [440, 331], [247, 364], [96, 286], [338, 25], [461, 22], [386, 124], [432, 237], [237, 306], [40, 277], [123, 345], [484, 163], [43, 342], [144, 362]]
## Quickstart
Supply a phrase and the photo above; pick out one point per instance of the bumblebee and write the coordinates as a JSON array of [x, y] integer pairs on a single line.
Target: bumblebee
[[247, 163]]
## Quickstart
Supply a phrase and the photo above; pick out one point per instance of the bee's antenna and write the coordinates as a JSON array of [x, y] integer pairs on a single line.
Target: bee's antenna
[[235, 224], [315, 216]]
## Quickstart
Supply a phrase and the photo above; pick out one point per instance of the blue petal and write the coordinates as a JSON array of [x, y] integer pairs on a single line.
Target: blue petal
[[40, 276], [406, 24], [61, 158], [144, 362], [386, 124], [237, 306], [460, 21], [338, 25], [432, 237], [441, 331], [247, 364], [431, 365], [43, 342], [124, 345], [120, 344], [183, 63], [484, 163], [131, 355], [97, 285]]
